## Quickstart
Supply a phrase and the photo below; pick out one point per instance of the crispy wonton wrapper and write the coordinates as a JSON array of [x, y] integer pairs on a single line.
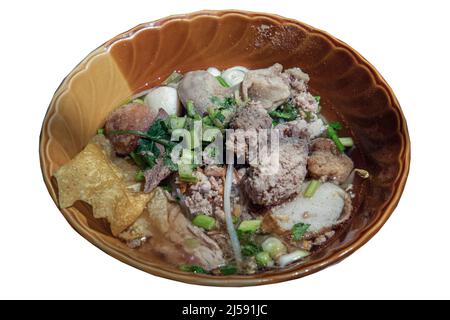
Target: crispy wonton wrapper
[[92, 177]]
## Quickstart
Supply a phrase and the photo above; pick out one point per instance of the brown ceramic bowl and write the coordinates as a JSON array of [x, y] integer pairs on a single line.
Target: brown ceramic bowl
[[352, 92]]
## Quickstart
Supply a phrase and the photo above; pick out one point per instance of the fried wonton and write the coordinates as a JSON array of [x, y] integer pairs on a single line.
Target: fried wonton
[[92, 177]]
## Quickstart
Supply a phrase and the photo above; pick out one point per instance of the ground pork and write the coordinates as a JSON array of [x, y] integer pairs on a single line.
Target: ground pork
[[305, 102], [205, 196], [251, 116], [271, 182], [155, 175]]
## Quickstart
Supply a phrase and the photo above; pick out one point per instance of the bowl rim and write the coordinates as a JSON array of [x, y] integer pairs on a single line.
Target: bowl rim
[[264, 278]]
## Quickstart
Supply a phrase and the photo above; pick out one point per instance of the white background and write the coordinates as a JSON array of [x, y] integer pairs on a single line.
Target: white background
[[42, 257]]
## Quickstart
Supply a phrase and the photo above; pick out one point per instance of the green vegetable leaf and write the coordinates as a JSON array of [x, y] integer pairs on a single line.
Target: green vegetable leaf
[[228, 270], [311, 188], [332, 134], [222, 82], [335, 125], [190, 109], [139, 176], [159, 129], [244, 236], [148, 151], [174, 77], [138, 159], [285, 112], [250, 249], [223, 103], [169, 163], [298, 230], [317, 98], [192, 268]]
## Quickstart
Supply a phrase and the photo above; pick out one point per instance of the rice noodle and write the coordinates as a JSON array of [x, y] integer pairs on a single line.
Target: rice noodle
[[322, 117], [236, 246]]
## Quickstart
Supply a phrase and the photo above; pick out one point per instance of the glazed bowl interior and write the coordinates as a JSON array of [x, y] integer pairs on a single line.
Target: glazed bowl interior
[[351, 91]]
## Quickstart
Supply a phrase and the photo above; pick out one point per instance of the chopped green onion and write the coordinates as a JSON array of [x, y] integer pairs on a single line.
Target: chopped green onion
[[333, 136], [222, 82], [317, 98], [195, 138], [189, 179], [286, 259], [101, 131], [204, 221], [210, 134], [185, 173], [347, 142], [207, 122], [138, 159], [286, 111], [335, 125], [311, 188], [138, 100], [228, 270], [212, 151], [263, 259], [187, 156], [192, 268], [249, 225], [190, 109], [298, 230], [250, 249], [177, 122], [139, 176], [216, 117], [173, 78], [274, 247]]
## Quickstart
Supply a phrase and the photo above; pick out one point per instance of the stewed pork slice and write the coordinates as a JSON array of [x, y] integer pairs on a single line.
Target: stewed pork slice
[[172, 235], [155, 175], [252, 116], [247, 122], [199, 87], [326, 162], [329, 206], [267, 86], [133, 116], [279, 175]]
